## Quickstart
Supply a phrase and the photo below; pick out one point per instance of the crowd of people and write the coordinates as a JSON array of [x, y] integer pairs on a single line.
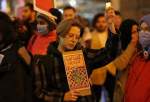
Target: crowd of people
[[116, 53]]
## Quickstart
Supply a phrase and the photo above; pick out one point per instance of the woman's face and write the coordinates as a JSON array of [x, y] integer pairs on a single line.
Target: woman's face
[[135, 33], [42, 26], [72, 38]]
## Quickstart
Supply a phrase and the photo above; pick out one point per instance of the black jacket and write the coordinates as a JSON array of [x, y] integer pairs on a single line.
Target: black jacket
[[15, 83]]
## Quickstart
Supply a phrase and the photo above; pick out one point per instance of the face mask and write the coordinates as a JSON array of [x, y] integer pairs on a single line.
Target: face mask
[[144, 38], [42, 29]]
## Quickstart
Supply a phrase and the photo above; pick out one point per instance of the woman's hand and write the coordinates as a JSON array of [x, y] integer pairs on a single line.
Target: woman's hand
[[110, 17], [71, 96]]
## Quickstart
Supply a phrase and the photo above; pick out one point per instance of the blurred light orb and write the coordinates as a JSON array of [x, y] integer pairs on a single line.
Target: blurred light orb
[[73, 3]]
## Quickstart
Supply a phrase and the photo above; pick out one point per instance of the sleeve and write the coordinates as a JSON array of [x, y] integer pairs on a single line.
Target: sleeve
[[40, 83], [122, 61], [22, 52], [24, 55], [98, 76], [104, 55], [119, 63]]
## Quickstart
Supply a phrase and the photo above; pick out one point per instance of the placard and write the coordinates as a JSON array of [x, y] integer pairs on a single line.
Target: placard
[[76, 72]]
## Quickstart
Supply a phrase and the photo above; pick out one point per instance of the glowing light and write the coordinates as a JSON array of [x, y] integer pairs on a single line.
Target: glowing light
[[4, 5], [108, 4], [73, 3], [61, 10]]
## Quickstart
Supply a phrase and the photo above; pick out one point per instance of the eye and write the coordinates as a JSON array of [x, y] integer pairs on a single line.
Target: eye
[[70, 35], [41, 22]]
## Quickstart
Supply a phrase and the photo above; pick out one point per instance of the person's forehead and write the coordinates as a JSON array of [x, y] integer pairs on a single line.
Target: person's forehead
[[101, 18], [26, 8], [74, 30], [69, 11], [41, 20], [134, 27]]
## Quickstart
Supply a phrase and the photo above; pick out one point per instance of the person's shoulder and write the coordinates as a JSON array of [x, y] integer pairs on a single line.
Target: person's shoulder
[[43, 60]]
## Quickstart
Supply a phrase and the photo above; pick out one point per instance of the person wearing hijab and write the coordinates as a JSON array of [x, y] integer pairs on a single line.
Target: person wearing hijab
[[144, 36], [138, 85]]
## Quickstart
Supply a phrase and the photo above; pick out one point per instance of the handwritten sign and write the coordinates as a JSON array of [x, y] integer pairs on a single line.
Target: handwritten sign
[[76, 72]]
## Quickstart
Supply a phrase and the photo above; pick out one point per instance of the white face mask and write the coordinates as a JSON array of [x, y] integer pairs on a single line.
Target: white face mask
[[42, 29]]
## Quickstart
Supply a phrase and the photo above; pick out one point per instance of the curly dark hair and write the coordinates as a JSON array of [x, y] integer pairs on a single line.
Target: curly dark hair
[[96, 17], [125, 30]]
